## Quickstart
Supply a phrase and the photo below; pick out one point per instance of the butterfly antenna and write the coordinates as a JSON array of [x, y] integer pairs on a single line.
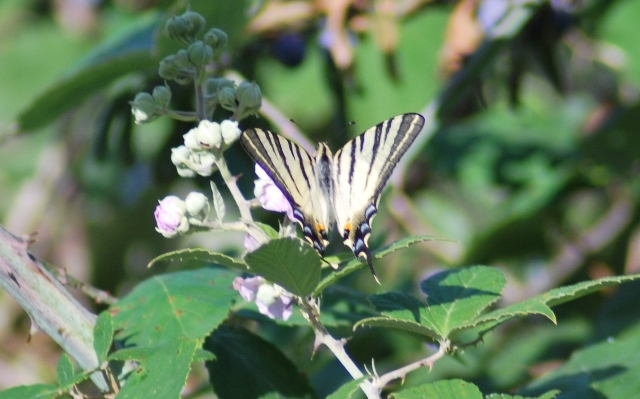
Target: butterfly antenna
[[370, 263]]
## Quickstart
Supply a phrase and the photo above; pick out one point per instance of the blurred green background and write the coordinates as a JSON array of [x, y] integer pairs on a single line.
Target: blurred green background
[[530, 158]]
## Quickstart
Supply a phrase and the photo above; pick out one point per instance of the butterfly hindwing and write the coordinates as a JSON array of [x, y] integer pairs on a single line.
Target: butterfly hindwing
[[361, 171], [292, 169]]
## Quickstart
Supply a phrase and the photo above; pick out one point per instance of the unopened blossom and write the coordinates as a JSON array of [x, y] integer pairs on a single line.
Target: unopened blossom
[[272, 300], [197, 205], [270, 196], [170, 216], [230, 131], [208, 135]]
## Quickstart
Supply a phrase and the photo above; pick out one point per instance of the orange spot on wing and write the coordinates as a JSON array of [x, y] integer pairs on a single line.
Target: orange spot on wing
[[319, 227], [347, 226]]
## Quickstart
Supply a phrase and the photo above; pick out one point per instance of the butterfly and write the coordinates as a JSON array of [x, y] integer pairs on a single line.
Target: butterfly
[[344, 187]]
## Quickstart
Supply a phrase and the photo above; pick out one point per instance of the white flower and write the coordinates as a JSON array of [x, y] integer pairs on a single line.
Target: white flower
[[204, 163], [230, 131], [270, 196], [190, 140], [170, 216]]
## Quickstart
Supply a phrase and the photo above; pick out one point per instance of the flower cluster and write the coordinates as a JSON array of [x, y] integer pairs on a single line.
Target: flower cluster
[[202, 147], [174, 216], [271, 299]]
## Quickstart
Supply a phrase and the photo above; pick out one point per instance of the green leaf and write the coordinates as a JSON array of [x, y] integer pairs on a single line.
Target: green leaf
[[162, 371], [289, 262], [186, 304], [37, 391], [349, 390], [203, 355], [131, 52], [540, 304], [65, 371], [103, 335], [201, 257], [249, 367], [270, 231], [455, 299], [608, 369], [356, 263], [561, 295], [218, 202], [444, 389], [547, 395]]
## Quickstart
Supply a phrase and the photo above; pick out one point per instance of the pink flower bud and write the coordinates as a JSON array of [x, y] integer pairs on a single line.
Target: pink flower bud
[[170, 216], [272, 300]]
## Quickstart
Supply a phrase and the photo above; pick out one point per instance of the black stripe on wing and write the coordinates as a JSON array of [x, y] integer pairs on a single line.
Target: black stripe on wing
[[281, 159]]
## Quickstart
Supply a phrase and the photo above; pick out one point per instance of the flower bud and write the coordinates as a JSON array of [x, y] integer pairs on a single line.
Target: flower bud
[[200, 54], [230, 131], [204, 163], [168, 69], [182, 59], [212, 85], [208, 135], [144, 108], [249, 98], [185, 172], [191, 141], [176, 28], [216, 38], [195, 24], [197, 205], [180, 155], [162, 96], [170, 216], [227, 98]]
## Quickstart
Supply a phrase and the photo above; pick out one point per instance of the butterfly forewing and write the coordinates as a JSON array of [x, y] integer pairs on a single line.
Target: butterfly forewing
[[362, 168], [292, 169]]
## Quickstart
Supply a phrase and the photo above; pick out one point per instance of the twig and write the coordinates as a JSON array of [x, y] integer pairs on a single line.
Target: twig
[[92, 292], [310, 311], [381, 382]]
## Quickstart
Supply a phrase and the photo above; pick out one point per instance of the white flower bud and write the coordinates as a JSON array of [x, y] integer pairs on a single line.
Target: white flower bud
[[230, 131], [180, 155], [197, 204], [208, 135], [204, 163], [191, 141]]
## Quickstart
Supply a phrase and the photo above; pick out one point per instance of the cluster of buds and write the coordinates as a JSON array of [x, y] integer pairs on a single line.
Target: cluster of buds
[[174, 216], [184, 65], [244, 100], [202, 147], [146, 107]]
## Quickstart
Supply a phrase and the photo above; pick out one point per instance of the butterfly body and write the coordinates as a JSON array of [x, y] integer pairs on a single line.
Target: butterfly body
[[344, 187]]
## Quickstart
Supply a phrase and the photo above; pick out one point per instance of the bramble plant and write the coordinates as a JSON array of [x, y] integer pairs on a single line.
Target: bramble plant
[[170, 321]]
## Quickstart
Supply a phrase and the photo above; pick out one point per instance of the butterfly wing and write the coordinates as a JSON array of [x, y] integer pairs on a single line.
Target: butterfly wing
[[361, 170], [293, 170]]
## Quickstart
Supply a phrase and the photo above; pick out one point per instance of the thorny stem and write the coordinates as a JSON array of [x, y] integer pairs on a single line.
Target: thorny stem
[[383, 380], [98, 295], [310, 310]]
